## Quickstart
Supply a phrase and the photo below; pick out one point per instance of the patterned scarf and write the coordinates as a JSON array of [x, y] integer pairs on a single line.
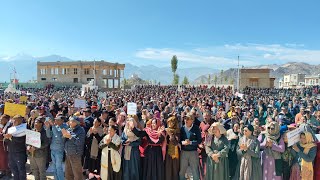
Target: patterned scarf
[[307, 167]]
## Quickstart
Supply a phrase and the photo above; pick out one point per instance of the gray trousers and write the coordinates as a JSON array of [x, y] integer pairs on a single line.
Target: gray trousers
[[38, 167], [189, 158], [73, 169]]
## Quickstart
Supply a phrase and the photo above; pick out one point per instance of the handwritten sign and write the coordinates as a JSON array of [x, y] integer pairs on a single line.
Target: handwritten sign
[[293, 136], [14, 109], [80, 103], [132, 108], [23, 99], [33, 138], [18, 131]]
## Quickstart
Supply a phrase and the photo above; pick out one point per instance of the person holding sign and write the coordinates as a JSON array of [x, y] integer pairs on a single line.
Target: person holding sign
[[307, 151], [17, 151], [38, 156]]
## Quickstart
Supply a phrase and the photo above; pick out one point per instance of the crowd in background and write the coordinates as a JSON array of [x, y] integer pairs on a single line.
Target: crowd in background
[[175, 133]]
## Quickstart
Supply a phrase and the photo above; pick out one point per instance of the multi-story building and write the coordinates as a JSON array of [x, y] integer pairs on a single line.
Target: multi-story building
[[312, 80], [293, 80], [256, 78], [107, 75]]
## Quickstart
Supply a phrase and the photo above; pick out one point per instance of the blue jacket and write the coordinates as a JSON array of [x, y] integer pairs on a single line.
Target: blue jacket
[[75, 145], [55, 134], [195, 138]]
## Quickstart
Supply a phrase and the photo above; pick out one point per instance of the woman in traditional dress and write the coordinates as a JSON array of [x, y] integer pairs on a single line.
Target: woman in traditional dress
[[172, 161], [110, 157], [154, 155], [249, 152], [130, 153], [307, 151], [272, 146], [233, 137], [4, 125], [291, 169], [93, 153], [217, 150]]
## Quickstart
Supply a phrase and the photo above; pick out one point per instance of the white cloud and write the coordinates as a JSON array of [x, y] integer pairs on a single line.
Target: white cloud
[[251, 54]]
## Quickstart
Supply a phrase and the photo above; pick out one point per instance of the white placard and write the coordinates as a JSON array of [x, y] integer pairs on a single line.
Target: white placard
[[318, 137], [102, 95], [80, 103], [132, 108], [18, 131], [293, 136], [33, 138]]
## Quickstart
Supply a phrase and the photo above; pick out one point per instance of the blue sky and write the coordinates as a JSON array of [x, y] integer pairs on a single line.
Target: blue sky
[[200, 33]]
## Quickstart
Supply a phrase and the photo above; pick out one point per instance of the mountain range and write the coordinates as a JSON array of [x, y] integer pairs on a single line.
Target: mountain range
[[26, 68]]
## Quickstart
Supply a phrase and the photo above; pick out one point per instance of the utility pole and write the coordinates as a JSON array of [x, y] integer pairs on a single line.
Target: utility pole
[[238, 82], [94, 72]]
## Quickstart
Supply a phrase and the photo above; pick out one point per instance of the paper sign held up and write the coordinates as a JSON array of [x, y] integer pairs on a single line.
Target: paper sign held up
[[33, 138], [132, 108], [80, 103], [14, 109], [293, 136]]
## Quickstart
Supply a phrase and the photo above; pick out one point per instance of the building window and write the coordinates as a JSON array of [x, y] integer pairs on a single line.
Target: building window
[[89, 79], [57, 71], [64, 71], [75, 80], [115, 73], [121, 73], [42, 71], [43, 79], [110, 83], [52, 70], [75, 71], [54, 79], [110, 72], [116, 84], [86, 71], [104, 72]]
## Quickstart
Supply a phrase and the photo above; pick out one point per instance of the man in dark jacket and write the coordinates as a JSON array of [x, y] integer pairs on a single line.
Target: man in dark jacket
[[74, 146], [17, 151], [190, 139]]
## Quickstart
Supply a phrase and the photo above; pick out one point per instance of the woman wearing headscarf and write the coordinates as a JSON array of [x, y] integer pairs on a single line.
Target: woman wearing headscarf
[[217, 149], [93, 153], [307, 151], [110, 157], [33, 116], [172, 161], [154, 155], [291, 169], [233, 137], [130, 152], [272, 146], [248, 151]]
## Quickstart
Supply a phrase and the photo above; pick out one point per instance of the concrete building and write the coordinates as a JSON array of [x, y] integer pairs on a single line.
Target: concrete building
[[256, 78], [293, 80], [312, 80], [107, 75]]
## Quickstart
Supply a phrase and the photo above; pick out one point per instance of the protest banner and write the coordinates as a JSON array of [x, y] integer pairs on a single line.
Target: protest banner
[[80, 103], [23, 99], [33, 138], [18, 131], [14, 109], [293, 136], [102, 95], [132, 108]]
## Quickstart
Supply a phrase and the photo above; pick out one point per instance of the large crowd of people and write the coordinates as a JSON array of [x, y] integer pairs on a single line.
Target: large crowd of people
[[175, 133]]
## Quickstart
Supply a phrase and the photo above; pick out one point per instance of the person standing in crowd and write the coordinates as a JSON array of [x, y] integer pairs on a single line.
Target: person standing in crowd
[[130, 152], [17, 151], [190, 139], [88, 119], [93, 153], [53, 131], [291, 169], [38, 156], [217, 150], [249, 152], [233, 137], [307, 151], [298, 117], [33, 116], [172, 161], [110, 158], [4, 124], [272, 146], [74, 146]]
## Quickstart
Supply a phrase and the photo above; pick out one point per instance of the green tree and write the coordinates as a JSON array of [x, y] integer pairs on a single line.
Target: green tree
[[226, 79], [175, 79], [185, 80], [215, 79], [221, 75], [174, 66], [209, 79]]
